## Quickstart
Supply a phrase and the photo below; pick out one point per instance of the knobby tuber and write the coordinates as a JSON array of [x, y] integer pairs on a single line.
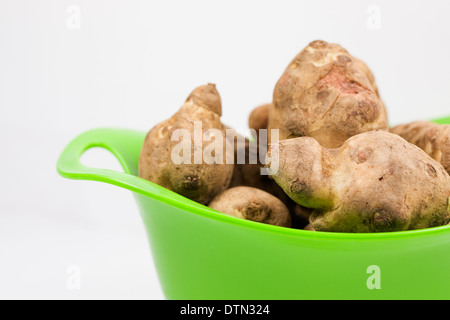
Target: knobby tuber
[[327, 94], [248, 173], [433, 138], [197, 124], [259, 118], [337, 166], [376, 181], [252, 204]]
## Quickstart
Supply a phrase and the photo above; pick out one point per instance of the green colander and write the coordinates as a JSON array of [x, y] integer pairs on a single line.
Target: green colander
[[200, 253]]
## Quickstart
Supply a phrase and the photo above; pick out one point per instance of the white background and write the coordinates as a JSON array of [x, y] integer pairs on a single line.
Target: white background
[[131, 64]]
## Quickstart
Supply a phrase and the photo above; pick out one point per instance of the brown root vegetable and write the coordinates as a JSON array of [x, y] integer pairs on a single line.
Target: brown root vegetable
[[248, 171], [252, 204], [259, 118], [433, 138], [375, 182], [327, 94], [181, 154]]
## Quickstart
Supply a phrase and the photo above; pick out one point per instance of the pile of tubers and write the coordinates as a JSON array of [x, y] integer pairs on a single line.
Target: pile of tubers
[[332, 162]]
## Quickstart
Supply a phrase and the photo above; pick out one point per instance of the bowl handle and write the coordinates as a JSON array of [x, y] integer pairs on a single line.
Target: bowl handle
[[121, 143]]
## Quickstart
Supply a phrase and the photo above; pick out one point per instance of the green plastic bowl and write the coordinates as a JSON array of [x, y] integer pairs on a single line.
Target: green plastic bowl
[[200, 253]]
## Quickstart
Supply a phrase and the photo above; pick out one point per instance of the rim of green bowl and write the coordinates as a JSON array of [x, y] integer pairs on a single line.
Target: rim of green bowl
[[194, 207], [171, 198]]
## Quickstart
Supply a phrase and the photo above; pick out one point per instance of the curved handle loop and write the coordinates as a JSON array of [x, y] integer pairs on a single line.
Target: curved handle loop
[[121, 143]]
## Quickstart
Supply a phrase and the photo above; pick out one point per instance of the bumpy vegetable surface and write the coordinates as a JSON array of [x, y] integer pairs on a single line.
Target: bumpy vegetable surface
[[376, 181], [327, 94], [252, 204], [196, 180], [433, 138], [247, 171], [259, 118]]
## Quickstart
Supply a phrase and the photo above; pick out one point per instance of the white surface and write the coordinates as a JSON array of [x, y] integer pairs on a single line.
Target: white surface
[[131, 64]]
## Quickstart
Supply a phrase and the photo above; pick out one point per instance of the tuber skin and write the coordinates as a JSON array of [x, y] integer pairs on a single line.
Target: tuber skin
[[199, 181], [433, 138], [375, 182], [327, 94], [248, 174], [259, 118], [252, 204]]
